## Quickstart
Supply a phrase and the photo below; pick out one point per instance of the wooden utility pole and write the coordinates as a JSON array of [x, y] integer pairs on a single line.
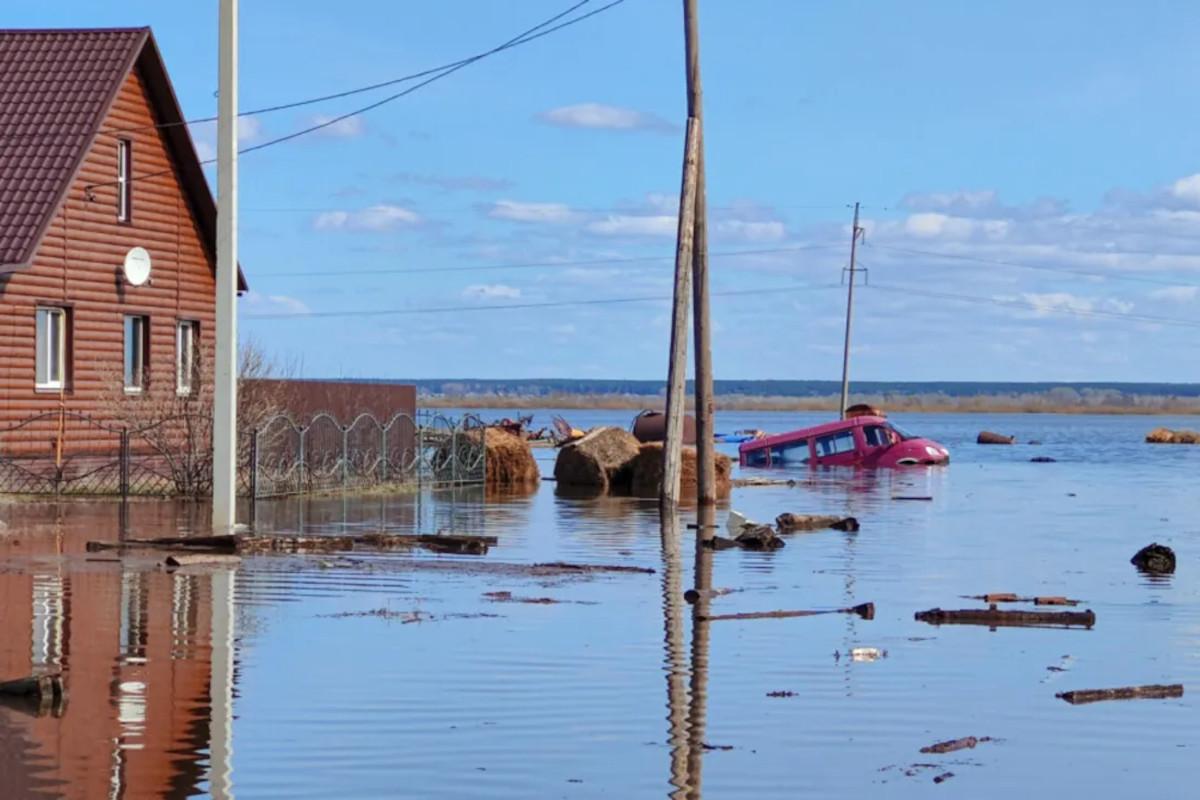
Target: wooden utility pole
[[706, 490], [224, 490], [854, 232], [676, 378]]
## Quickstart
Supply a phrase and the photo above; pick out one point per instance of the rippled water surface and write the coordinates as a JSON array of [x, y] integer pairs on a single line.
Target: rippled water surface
[[297, 677]]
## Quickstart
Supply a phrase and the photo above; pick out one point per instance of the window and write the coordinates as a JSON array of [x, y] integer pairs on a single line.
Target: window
[[877, 436], [137, 330], [187, 340], [835, 443], [790, 453], [124, 180], [51, 346]]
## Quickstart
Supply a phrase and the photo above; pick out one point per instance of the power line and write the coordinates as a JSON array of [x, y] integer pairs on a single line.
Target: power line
[[522, 306], [532, 34], [1039, 267], [1012, 302], [533, 264]]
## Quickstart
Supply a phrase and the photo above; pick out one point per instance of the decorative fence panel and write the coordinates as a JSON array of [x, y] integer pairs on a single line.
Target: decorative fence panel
[[431, 449], [68, 453]]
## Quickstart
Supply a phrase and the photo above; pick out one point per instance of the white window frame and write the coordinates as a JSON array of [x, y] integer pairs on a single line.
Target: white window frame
[[50, 360], [124, 165], [185, 356], [140, 325]]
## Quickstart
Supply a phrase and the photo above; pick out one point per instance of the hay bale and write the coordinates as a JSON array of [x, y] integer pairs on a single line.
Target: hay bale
[[509, 460], [988, 437], [646, 472], [1168, 436], [600, 460]]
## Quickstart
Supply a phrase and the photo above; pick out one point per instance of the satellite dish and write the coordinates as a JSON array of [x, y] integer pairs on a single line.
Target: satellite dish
[[137, 266]]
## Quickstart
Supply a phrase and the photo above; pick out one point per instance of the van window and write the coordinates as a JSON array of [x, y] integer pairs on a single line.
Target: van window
[[835, 443], [790, 453], [876, 436]]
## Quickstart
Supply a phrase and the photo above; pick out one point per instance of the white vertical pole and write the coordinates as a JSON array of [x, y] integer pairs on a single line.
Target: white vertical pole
[[225, 375]]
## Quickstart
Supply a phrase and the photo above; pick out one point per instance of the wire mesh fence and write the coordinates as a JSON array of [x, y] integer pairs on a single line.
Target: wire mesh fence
[[69, 453]]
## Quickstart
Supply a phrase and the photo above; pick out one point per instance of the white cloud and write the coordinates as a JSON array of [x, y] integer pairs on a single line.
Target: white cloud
[[634, 225], [543, 213], [272, 304], [1187, 189], [347, 128], [1176, 294], [1047, 303], [491, 291], [248, 129], [771, 231], [604, 117], [377, 219]]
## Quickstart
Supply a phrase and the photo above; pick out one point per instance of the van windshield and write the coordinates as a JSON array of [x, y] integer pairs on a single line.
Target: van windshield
[[903, 434]]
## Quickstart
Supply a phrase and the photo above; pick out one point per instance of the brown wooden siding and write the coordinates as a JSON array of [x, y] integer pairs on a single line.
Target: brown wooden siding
[[78, 265]]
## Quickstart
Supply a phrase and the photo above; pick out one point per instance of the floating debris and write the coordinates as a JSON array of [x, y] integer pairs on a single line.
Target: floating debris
[[988, 437], [995, 618], [953, 745], [782, 693], [1155, 558], [1149, 692], [864, 610]]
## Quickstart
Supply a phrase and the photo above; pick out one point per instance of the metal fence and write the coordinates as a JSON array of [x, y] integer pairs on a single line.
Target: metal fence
[[68, 453], [430, 449]]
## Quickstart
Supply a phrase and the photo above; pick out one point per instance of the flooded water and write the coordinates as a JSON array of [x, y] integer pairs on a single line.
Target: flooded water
[[396, 676]]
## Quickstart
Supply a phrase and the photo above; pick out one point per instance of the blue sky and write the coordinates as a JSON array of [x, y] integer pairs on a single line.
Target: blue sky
[[1029, 175]]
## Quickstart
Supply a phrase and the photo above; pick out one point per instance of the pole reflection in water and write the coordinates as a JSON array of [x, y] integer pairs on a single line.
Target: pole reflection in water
[[697, 716], [676, 664], [687, 672]]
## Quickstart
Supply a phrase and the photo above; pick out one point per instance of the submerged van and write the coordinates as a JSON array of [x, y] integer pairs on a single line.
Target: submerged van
[[860, 441]]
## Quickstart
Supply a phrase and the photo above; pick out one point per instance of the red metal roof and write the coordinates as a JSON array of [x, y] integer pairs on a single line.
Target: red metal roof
[[56, 87]]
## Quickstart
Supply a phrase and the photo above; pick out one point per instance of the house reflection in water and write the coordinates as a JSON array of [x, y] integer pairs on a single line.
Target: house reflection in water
[[147, 659]]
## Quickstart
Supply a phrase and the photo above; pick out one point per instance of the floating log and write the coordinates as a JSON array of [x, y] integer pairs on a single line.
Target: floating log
[[1154, 691], [1009, 597], [793, 523], [442, 542], [219, 544], [923, 497], [253, 545], [562, 566], [995, 618], [864, 610], [201, 559], [952, 745]]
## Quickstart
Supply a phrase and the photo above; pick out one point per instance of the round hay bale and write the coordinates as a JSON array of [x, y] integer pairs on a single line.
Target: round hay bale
[[646, 472], [1168, 436], [600, 460], [509, 460], [987, 437]]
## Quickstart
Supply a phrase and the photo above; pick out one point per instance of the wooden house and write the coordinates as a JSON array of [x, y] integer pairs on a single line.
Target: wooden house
[[107, 233]]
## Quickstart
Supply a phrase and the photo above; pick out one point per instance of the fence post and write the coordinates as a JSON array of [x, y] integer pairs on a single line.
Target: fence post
[[454, 455], [123, 469], [420, 451], [383, 445], [302, 483], [253, 465], [345, 454]]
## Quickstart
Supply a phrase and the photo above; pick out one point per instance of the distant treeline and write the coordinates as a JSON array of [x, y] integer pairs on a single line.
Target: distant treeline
[[939, 396], [544, 387]]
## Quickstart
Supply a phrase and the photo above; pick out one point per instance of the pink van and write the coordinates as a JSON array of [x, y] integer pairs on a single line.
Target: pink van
[[861, 441]]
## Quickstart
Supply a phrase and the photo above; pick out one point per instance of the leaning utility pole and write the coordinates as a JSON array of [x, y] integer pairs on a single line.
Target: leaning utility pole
[[854, 232], [706, 490], [676, 379], [224, 490], [691, 267]]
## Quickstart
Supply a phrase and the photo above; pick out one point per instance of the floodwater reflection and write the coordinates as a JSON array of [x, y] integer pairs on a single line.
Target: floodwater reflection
[[147, 659]]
